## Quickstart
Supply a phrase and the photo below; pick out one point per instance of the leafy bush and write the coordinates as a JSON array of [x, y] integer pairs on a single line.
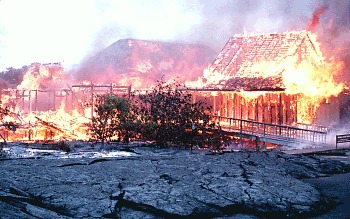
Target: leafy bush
[[165, 115], [111, 118], [168, 116]]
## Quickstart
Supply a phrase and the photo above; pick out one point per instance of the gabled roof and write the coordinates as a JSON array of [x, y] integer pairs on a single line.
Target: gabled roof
[[239, 57]]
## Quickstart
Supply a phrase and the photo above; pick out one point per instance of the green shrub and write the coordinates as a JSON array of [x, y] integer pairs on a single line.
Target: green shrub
[[165, 115], [111, 115], [168, 116]]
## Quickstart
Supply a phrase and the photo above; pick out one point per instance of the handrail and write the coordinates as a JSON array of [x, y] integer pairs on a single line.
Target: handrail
[[274, 131]]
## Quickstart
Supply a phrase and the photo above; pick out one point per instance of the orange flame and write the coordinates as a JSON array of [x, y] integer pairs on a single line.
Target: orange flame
[[312, 79]]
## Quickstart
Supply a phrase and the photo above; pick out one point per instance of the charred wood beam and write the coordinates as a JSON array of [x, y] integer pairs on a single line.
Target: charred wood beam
[[48, 124], [3, 138]]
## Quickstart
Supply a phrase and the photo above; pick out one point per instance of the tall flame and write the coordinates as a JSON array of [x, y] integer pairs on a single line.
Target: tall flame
[[40, 76], [312, 79]]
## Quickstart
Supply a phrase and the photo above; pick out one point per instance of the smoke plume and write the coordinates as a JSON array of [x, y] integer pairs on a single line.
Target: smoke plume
[[315, 20]]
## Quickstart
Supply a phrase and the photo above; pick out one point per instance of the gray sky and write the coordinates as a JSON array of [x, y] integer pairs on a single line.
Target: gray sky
[[69, 30]]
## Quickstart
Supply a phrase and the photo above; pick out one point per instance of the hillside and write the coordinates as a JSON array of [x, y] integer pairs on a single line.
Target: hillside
[[141, 63]]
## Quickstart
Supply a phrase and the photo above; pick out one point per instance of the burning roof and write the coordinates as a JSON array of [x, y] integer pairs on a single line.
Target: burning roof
[[256, 62], [291, 62]]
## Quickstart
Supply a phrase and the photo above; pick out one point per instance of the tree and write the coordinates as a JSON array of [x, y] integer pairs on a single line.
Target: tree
[[165, 115], [111, 113], [168, 116], [13, 76]]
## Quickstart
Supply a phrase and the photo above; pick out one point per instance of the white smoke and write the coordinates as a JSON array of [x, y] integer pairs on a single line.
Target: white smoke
[[67, 31]]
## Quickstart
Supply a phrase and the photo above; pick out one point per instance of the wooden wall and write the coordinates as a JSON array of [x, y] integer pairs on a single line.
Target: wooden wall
[[270, 107]]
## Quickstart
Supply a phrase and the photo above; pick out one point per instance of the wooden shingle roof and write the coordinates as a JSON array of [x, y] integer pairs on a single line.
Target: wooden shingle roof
[[239, 58]]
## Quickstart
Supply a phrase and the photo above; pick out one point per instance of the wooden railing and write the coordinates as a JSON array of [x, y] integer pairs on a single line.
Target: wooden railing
[[272, 131], [341, 139]]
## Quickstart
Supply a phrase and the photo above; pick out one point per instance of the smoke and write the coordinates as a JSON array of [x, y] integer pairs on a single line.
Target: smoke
[[223, 19], [144, 20], [66, 31], [206, 22], [333, 30], [196, 21], [315, 20]]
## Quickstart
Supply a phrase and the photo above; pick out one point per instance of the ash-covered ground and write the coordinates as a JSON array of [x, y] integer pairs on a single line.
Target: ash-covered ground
[[115, 181]]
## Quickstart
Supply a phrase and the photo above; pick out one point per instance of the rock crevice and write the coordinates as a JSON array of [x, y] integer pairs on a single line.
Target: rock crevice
[[165, 184]]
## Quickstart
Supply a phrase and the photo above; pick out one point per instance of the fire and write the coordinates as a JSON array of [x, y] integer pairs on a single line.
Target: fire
[[250, 96], [311, 76], [62, 123], [210, 77], [49, 125], [315, 83], [42, 77]]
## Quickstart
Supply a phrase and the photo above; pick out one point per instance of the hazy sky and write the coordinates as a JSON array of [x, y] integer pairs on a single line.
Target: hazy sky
[[68, 30]]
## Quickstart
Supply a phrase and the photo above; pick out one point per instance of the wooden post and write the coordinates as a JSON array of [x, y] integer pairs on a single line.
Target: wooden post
[[296, 109], [336, 142], [234, 105], [241, 126], [280, 112], [270, 109], [230, 105], [264, 129], [225, 104], [36, 100], [241, 106], [92, 101], [49, 99], [30, 100], [214, 104], [257, 142], [23, 98], [66, 106], [257, 109], [54, 99]]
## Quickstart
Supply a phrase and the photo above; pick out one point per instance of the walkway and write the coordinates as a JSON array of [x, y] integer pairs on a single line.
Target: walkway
[[272, 133]]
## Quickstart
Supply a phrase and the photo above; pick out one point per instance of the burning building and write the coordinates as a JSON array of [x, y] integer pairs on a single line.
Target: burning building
[[273, 78], [50, 104], [270, 82], [45, 107]]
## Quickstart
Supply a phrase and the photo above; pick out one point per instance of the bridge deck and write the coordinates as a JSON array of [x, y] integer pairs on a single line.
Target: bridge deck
[[273, 133]]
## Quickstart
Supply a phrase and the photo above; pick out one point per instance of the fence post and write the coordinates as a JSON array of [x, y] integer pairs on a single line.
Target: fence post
[[257, 142], [264, 129], [241, 126], [336, 142]]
